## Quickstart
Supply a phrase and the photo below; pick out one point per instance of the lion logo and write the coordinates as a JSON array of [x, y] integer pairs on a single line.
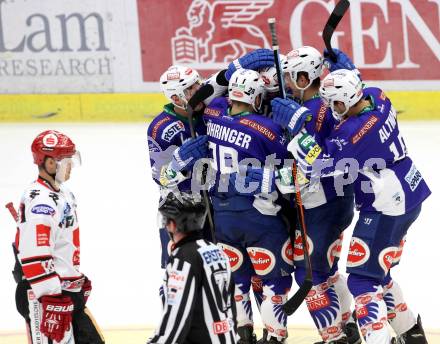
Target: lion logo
[[218, 32]]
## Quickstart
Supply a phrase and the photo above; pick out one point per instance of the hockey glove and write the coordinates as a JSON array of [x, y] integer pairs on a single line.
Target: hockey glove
[[289, 114], [254, 60], [57, 316], [186, 155], [342, 62], [86, 289]]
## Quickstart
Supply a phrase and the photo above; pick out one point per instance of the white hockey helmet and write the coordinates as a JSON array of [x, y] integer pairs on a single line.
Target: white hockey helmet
[[176, 80], [270, 77], [245, 85], [341, 85], [305, 59]]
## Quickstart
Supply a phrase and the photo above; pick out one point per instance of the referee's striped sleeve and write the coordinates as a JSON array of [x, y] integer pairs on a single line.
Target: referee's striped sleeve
[[179, 303]]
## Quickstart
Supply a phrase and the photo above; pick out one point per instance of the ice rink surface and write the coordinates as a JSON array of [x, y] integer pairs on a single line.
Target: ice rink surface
[[117, 205]]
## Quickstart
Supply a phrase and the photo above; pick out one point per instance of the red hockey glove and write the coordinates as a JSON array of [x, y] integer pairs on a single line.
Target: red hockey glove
[[57, 316], [87, 289]]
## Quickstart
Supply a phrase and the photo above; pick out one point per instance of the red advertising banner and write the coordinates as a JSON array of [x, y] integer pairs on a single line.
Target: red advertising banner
[[388, 39]]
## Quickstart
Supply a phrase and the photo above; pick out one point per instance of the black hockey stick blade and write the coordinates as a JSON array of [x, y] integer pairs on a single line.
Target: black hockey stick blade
[[201, 94], [295, 301], [332, 22]]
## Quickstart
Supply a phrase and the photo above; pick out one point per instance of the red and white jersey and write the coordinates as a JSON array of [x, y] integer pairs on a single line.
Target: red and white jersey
[[48, 239]]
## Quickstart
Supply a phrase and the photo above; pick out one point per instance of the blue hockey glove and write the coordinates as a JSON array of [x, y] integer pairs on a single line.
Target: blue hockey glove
[[254, 60], [342, 61], [192, 150], [289, 114]]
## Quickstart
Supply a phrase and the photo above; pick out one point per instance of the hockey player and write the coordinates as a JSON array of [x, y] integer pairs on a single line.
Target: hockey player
[[248, 226], [199, 302], [389, 191], [327, 211], [51, 291]]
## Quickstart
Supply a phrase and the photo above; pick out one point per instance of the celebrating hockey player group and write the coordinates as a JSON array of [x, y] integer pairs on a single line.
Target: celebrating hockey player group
[[344, 139]]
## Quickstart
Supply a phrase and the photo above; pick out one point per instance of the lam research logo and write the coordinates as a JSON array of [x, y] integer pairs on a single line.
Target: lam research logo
[[218, 32]]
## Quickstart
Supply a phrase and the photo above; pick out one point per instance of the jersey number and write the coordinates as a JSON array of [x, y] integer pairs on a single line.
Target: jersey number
[[225, 159], [399, 150]]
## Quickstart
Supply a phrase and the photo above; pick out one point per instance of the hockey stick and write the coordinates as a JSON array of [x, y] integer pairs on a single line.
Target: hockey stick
[[295, 301], [202, 93], [332, 22]]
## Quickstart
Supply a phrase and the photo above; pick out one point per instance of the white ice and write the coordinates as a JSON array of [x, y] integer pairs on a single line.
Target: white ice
[[120, 246]]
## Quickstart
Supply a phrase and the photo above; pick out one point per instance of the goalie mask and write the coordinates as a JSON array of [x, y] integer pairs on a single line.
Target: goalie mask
[[176, 81], [187, 211], [245, 86]]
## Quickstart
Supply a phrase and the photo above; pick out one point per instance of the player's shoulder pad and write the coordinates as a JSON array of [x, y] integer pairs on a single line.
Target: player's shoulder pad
[[262, 126], [41, 201], [165, 127]]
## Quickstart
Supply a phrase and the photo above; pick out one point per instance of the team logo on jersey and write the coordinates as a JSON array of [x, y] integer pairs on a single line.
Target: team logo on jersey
[[386, 258], [287, 252], [263, 260], [235, 256], [43, 209], [334, 250], [413, 177], [298, 249], [171, 130], [218, 31], [358, 253], [50, 140]]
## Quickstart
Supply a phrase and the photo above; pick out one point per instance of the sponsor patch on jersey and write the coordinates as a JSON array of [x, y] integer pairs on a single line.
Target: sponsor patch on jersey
[[358, 253], [386, 258], [365, 129], [320, 117], [234, 255], [212, 112], [258, 127], [262, 260], [212, 255], [42, 235], [287, 252], [298, 249], [171, 130], [43, 209], [221, 327], [175, 285], [157, 126], [413, 177]]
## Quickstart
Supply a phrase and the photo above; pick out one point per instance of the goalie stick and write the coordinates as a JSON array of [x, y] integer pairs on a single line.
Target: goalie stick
[[295, 301], [332, 22], [202, 93]]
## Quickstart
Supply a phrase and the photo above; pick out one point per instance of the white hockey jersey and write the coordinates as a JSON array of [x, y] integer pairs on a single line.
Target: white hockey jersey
[[48, 239]]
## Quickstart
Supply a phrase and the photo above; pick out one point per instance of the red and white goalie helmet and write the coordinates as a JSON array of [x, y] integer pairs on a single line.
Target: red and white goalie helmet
[[270, 77], [245, 86], [176, 80], [305, 59], [341, 85]]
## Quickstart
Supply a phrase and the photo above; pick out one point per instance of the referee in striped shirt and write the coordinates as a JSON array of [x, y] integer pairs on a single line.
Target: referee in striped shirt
[[199, 302]]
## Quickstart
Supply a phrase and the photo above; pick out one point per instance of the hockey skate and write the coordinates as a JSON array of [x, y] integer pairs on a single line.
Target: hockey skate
[[272, 340], [247, 335], [415, 335]]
